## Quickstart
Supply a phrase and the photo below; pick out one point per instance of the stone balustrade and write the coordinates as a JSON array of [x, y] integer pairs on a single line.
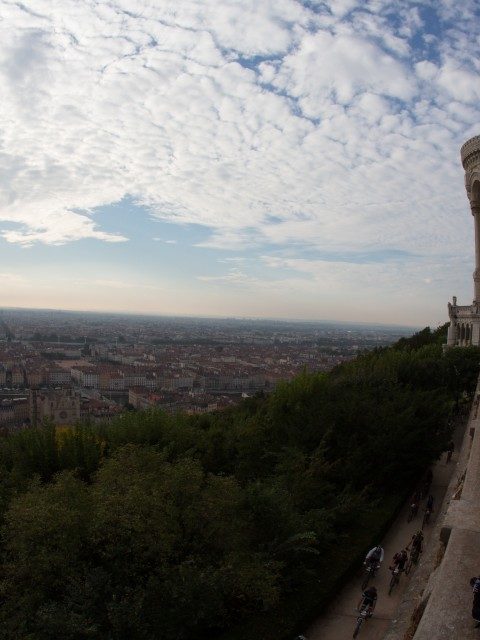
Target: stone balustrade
[[464, 311]]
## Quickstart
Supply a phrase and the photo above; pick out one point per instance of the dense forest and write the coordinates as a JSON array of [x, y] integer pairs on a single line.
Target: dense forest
[[231, 525]]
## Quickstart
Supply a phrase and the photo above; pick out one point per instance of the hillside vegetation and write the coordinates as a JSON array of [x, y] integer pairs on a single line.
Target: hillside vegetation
[[234, 525]]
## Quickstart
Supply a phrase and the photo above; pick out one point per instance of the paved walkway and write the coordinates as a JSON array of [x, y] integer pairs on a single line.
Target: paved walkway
[[447, 615], [338, 622]]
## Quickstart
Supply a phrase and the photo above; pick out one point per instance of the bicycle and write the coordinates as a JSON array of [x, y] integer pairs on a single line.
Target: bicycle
[[413, 511], [364, 613], [370, 571], [426, 518], [413, 559], [396, 571]]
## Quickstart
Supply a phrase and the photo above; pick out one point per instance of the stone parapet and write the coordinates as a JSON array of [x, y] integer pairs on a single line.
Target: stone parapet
[[424, 580], [448, 610], [465, 512], [467, 311]]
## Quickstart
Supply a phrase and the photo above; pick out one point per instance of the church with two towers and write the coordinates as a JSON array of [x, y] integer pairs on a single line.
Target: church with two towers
[[464, 329]]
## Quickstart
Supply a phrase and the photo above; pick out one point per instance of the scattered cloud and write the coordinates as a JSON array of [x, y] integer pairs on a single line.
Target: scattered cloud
[[234, 259], [165, 241], [233, 277], [328, 126]]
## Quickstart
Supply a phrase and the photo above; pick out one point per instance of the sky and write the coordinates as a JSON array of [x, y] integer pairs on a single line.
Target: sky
[[248, 158]]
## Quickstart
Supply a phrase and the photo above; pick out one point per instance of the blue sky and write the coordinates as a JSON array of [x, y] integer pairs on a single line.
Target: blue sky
[[266, 158]]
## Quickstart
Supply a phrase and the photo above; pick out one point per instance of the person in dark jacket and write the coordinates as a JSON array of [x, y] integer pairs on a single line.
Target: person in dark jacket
[[475, 584]]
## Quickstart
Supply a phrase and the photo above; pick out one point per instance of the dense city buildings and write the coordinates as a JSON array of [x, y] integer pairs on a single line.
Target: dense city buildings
[[66, 366]]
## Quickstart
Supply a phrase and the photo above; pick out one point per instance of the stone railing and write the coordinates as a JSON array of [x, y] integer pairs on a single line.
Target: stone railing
[[465, 311]]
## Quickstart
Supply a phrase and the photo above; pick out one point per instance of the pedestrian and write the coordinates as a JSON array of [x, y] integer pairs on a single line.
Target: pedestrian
[[475, 584]]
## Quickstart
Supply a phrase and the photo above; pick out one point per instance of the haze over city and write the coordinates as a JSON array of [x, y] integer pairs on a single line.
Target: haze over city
[[275, 158]]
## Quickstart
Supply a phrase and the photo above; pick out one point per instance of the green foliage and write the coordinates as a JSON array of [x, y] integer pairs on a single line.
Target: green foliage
[[237, 524], [149, 545]]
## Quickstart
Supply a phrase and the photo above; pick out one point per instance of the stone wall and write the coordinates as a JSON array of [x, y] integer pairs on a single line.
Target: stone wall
[[438, 601]]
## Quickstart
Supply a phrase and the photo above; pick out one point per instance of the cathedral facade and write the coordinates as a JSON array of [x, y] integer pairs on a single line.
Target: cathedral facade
[[464, 326]]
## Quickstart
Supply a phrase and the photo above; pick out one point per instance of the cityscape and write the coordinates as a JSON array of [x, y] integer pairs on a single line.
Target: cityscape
[[67, 366], [239, 351]]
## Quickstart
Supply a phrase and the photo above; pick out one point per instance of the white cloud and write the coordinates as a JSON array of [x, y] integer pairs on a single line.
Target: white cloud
[[233, 277], [164, 241], [327, 125]]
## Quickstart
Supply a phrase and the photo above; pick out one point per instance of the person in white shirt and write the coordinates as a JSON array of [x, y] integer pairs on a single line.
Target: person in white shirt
[[375, 555]]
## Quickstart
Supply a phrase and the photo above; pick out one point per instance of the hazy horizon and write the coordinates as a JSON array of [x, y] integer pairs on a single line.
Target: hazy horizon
[[285, 320]]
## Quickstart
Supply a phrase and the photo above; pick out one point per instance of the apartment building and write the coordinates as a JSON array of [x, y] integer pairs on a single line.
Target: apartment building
[[86, 376], [56, 376]]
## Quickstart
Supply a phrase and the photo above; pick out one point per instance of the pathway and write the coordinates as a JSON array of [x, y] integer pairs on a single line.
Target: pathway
[[338, 621]]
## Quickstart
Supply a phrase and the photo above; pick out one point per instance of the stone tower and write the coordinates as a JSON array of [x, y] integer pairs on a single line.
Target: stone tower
[[464, 326]]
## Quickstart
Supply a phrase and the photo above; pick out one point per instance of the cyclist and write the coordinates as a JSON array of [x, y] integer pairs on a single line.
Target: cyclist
[[417, 541], [399, 560], [414, 502], [430, 501], [375, 556], [450, 450], [368, 599]]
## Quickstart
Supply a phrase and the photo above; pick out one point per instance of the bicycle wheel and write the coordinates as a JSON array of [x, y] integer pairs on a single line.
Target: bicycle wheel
[[357, 627]]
